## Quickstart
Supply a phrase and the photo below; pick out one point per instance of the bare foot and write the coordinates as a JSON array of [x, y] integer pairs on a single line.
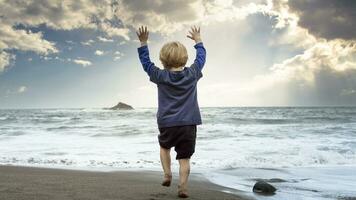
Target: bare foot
[[182, 192], [167, 180]]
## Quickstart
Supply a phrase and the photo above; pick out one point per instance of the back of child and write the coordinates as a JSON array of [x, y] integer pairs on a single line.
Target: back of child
[[178, 110]]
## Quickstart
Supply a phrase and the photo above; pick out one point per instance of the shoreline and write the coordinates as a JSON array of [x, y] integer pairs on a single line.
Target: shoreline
[[22, 182]]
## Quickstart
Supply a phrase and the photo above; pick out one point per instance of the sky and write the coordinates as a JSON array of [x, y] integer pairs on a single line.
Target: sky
[[83, 53]]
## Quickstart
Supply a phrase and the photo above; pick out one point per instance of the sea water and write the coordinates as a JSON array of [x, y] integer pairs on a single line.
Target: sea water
[[307, 153]]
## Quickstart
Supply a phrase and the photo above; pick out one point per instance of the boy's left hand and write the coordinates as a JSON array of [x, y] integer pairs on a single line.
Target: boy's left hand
[[142, 35]]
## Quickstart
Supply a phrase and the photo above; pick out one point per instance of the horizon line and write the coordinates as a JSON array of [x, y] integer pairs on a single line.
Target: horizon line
[[281, 106]]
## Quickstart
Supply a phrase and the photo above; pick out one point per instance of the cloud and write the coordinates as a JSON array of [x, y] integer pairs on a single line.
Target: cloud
[[88, 42], [25, 41], [57, 15], [46, 58], [116, 58], [5, 59], [111, 17], [329, 19], [65, 15], [70, 42], [103, 39], [60, 15], [324, 74], [166, 16], [322, 31], [114, 31], [160, 16], [98, 52], [22, 89], [118, 55], [84, 63], [13, 39]]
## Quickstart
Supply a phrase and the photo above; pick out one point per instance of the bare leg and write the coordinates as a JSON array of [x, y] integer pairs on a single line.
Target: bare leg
[[165, 155], [184, 170]]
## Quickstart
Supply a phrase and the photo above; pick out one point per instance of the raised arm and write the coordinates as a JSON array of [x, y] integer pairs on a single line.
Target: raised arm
[[143, 52], [153, 72], [144, 55], [194, 34]]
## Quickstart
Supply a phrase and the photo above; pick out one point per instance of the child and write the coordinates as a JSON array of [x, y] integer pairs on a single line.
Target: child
[[178, 110]]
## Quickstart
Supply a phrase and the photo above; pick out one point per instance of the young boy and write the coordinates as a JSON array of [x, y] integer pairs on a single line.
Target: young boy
[[178, 110]]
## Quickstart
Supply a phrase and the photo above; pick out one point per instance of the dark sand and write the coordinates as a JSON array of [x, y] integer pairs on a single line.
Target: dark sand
[[27, 183]]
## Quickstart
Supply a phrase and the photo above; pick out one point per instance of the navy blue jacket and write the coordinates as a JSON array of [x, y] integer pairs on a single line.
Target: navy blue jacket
[[177, 90]]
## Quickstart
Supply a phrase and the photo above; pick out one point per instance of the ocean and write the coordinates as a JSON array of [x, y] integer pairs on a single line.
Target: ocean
[[306, 152]]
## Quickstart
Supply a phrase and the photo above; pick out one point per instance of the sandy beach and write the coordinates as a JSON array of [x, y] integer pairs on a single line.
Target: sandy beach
[[29, 183]]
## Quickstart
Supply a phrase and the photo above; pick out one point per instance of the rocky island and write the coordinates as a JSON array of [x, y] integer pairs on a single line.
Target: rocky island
[[121, 106]]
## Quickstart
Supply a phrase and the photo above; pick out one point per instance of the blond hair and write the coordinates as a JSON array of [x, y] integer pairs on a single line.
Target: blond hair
[[173, 55]]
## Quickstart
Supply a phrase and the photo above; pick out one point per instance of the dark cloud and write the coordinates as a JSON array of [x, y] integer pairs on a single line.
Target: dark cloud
[[329, 19], [330, 87], [158, 15]]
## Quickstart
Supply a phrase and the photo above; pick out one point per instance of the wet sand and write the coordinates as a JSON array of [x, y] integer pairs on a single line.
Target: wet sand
[[28, 183]]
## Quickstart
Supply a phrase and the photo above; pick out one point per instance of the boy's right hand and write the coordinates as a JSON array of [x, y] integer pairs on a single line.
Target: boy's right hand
[[194, 34]]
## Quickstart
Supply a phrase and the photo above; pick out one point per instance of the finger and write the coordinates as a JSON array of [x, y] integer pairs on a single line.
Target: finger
[[189, 37], [199, 29], [195, 28], [145, 29], [191, 33], [139, 30], [138, 35]]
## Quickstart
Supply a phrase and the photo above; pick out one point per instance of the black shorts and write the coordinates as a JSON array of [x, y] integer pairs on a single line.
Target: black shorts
[[181, 137]]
